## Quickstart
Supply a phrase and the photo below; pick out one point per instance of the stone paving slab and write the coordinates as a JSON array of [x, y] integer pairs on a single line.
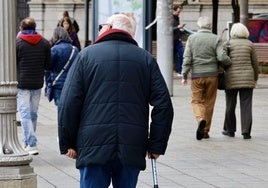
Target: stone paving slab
[[218, 162]]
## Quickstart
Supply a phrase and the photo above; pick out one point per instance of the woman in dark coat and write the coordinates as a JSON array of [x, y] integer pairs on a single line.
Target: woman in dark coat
[[60, 54], [66, 23]]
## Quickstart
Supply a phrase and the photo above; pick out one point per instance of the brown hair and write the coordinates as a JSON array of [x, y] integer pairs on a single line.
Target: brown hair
[[67, 19], [175, 7], [28, 24], [65, 13]]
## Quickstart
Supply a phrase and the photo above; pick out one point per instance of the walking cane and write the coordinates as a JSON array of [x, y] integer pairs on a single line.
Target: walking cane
[[153, 161]]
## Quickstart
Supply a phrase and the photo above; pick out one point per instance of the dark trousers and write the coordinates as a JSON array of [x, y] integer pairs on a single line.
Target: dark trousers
[[245, 96], [178, 55], [100, 176]]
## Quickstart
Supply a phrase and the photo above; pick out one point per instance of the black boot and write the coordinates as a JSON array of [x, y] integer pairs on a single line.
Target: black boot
[[200, 130], [227, 133], [246, 136]]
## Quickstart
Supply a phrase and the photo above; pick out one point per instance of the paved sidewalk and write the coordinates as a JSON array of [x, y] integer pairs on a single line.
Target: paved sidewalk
[[218, 162]]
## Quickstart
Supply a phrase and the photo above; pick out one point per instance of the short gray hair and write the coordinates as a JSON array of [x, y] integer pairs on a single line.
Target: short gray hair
[[239, 30], [123, 22], [204, 22], [60, 34]]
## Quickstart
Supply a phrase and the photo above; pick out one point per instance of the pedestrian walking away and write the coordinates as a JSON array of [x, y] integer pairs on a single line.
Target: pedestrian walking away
[[62, 56], [202, 54], [104, 108], [33, 57], [240, 78]]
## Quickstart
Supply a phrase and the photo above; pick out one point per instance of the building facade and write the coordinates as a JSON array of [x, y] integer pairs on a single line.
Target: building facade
[[48, 12], [197, 8]]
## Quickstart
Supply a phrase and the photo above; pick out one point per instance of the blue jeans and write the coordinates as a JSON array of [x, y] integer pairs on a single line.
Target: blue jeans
[[178, 54], [96, 176], [27, 104]]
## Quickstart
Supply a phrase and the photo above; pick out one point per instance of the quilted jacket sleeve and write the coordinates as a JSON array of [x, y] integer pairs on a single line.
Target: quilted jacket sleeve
[[162, 112]]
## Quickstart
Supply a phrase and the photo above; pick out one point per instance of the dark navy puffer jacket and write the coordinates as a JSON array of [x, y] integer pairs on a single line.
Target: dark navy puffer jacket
[[104, 107], [33, 57]]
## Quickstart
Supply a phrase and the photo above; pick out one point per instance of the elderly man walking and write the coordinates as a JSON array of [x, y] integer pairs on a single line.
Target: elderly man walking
[[104, 108]]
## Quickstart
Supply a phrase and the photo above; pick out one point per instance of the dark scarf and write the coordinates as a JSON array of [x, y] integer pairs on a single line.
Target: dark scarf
[[116, 34]]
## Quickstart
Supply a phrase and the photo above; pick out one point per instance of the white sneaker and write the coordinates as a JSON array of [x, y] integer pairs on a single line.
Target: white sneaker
[[32, 150], [179, 75]]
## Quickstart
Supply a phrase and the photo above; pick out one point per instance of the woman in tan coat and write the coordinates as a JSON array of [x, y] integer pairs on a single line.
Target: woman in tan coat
[[240, 78]]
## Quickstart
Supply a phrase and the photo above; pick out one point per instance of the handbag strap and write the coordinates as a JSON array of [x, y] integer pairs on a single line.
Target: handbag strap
[[228, 46], [65, 66]]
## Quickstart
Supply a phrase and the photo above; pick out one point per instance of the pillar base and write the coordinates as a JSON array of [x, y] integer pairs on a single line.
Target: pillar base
[[18, 176]]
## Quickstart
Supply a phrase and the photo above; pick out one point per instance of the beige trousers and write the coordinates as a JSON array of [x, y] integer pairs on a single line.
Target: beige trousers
[[204, 92]]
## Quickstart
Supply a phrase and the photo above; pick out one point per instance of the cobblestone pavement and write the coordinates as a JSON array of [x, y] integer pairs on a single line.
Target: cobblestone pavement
[[218, 162]]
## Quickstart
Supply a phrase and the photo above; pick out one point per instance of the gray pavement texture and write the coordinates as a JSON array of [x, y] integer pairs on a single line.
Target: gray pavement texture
[[218, 162]]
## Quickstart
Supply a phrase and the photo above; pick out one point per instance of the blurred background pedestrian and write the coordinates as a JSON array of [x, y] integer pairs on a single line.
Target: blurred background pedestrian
[[62, 53], [74, 22], [178, 48], [66, 23]]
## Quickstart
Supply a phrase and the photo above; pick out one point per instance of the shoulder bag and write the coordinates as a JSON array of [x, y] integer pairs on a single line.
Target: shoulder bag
[[49, 89]]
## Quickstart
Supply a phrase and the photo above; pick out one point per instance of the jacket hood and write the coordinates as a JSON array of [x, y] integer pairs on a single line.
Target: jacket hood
[[31, 38], [63, 41]]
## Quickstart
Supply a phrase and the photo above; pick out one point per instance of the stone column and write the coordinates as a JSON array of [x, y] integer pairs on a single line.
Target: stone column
[[15, 170], [165, 41]]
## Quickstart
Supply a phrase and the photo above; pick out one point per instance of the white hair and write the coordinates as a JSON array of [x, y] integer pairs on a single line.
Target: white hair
[[123, 22], [239, 30], [204, 22]]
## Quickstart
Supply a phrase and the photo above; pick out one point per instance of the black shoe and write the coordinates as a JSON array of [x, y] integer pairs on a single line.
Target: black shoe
[[246, 136], [206, 135], [200, 130], [227, 133]]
